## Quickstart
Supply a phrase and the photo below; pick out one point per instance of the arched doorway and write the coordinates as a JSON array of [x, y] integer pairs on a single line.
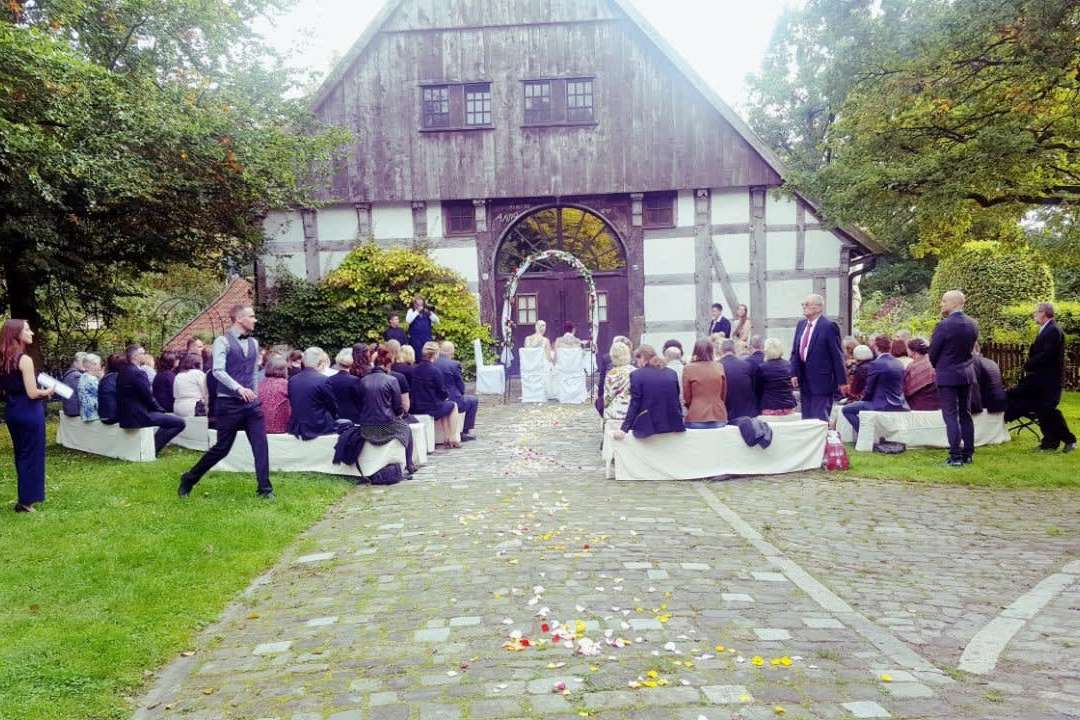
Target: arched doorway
[[553, 291]]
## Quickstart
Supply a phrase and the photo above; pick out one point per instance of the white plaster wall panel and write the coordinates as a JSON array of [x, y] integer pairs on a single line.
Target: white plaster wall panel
[[329, 261], [434, 220], [785, 297], [832, 298], [393, 220], [657, 340], [664, 256], [461, 260], [822, 250], [669, 302], [283, 227], [779, 209], [734, 251], [292, 263], [742, 294], [730, 205], [780, 250], [685, 209], [337, 224], [785, 336]]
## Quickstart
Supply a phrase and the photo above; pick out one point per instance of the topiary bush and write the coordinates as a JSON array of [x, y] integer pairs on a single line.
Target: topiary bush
[[353, 302], [1017, 325], [993, 277]]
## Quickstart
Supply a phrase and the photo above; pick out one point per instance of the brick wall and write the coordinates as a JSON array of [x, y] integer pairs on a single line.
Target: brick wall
[[213, 320]]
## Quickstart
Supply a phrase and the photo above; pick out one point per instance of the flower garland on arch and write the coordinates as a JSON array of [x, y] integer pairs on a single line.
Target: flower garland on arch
[[511, 291]]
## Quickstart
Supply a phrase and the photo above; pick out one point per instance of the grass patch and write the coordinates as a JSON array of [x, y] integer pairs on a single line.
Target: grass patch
[[1014, 464], [115, 575]]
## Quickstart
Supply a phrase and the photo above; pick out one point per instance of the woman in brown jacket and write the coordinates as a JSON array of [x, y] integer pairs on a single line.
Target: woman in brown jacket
[[704, 389]]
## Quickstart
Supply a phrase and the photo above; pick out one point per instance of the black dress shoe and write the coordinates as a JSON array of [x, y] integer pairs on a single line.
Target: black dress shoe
[[266, 495], [185, 487], [467, 438], [1069, 447], [954, 462], [967, 460]]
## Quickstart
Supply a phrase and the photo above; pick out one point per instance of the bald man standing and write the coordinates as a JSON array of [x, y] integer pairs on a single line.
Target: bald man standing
[[951, 352], [817, 360]]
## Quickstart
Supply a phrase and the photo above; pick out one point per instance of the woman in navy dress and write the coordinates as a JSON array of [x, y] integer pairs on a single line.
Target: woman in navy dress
[[25, 412]]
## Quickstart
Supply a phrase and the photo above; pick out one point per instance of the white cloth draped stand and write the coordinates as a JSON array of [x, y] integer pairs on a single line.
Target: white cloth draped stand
[[290, 454], [916, 428], [535, 374], [490, 379], [570, 375]]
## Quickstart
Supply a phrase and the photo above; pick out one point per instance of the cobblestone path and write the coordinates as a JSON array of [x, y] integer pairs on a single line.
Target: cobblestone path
[[510, 580]]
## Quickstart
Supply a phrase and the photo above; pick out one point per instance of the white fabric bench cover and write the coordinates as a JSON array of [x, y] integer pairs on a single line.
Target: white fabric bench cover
[[716, 452], [290, 454], [429, 431], [535, 374], [490, 379], [419, 444], [196, 435], [440, 436], [570, 375], [97, 438], [923, 428]]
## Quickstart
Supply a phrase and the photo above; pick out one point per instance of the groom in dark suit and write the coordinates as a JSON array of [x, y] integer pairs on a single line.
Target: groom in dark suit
[[1040, 389], [952, 348], [817, 360]]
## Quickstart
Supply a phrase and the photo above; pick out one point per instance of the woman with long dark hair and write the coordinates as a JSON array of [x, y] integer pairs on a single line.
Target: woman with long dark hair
[[25, 412]]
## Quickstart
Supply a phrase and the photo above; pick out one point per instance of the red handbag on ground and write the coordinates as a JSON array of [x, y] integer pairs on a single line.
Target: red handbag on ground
[[836, 457]]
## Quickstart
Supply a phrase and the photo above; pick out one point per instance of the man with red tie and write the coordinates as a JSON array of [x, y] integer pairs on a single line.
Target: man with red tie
[[817, 360]]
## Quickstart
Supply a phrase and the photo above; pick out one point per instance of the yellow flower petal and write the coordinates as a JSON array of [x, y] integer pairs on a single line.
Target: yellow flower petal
[[785, 661], [885, 677], [653, 674], [719, 648], [758, 660], [779, 710]]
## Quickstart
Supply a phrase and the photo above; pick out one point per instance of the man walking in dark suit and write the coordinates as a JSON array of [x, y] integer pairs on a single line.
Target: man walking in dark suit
[[236, 406], [817, 360], [1040, 389], [719, 323], [951, 350], [136, 406]]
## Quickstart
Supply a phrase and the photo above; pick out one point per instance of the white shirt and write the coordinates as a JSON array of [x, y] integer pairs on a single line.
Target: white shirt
[[412, 314]]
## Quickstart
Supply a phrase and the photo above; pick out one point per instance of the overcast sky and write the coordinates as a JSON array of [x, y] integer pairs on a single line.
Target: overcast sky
[[722, 39]]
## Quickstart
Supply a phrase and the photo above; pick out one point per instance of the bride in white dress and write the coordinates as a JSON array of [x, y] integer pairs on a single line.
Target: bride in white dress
[[539, 339]]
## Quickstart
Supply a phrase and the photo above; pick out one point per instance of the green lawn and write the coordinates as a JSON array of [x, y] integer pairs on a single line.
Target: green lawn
[[115, 575], [1014, 464]]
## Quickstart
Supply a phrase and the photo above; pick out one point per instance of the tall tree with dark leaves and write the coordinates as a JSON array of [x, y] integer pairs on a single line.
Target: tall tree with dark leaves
[[139, 133]]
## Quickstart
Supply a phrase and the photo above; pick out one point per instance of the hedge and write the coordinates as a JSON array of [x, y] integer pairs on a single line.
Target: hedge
[[993, 276], [1017, 325]]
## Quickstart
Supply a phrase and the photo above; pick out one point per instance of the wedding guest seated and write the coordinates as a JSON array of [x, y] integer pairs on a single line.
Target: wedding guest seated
[[88, 386], [539, 339], [774, 381], [429, 395], [616, 398], [162, 384], [742, 349], [884, 385], [273, 393], [704, 389], [849, 344], [381, 410], [920, 390], [567, 340], [673, 361], [455, 386], [190, 388], [394, 331], [899, 350], [107, 403], [146, 364], [717, 339], [195, 345], [345, 385], [70, 406], [740, 376], [858, 372], [314, 410], [602, 366], [992, 394], [757, 351], [385, 356], [405, 362], [654, 398], [296, 362], [343, 360], [136, 405]]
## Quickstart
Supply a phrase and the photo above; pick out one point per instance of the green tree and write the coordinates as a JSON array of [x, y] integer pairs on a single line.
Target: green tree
[[963, 137], [136, 134]]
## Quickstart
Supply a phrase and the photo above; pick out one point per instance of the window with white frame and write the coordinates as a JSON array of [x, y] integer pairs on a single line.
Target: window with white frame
[[601, 307], [526, 309]]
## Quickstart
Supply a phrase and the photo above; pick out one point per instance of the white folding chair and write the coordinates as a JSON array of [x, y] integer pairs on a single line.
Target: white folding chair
[[534, 374], [490, 379], [570, 375]]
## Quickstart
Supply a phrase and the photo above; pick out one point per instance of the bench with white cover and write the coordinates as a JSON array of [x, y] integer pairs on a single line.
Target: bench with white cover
[[715, 452], [291, 454], [916, 428], [97, 438]]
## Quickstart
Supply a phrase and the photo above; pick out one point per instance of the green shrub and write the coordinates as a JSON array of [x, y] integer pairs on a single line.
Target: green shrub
[[1017, 325], [882, 314], [993, 277], [354, 300]]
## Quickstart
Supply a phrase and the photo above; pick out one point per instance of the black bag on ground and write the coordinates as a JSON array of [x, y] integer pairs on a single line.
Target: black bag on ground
[[888, 447]]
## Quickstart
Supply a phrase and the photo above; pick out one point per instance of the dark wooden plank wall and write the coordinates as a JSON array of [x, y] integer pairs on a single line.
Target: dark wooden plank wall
[[654, 131]]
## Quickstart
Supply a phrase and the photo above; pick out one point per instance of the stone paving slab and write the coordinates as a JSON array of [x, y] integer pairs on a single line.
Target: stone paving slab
[[441, 598]]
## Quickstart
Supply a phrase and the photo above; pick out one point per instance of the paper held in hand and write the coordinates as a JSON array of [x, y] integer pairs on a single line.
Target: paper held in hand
[[48, 381]]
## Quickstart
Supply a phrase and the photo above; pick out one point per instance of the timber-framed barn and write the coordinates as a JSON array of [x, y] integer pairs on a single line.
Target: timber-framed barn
[[486, 130]]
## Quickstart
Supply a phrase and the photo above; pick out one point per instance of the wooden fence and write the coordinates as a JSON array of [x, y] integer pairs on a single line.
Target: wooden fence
[[1010, 357]]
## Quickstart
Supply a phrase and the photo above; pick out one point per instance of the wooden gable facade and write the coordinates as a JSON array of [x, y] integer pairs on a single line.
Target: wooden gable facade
[[485, 128]]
